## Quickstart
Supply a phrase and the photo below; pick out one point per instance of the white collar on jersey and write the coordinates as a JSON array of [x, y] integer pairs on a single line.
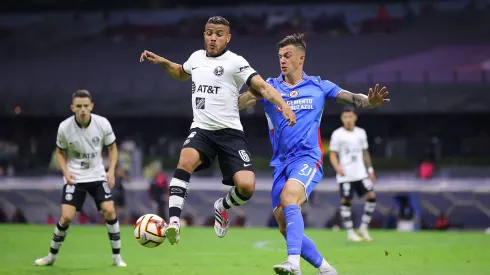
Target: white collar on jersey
[[280, 79]]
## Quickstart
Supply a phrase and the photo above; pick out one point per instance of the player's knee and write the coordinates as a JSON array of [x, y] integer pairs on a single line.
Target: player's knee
[[109, 213], [65, 219], [189, 160], [293, 194], [371, 197], [345, 202], [245, 183], [246, 188], [188, 165]]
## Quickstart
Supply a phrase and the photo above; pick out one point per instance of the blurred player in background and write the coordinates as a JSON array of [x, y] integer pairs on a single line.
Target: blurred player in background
[[297, 151], [350, 158], [217, 77], [80, 141]]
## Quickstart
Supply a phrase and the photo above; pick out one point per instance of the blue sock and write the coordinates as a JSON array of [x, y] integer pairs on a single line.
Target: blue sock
[[295, 228], [310, 253]]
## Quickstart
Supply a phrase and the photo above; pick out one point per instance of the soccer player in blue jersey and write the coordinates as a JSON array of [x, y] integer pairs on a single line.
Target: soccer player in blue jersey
[[297, 151]]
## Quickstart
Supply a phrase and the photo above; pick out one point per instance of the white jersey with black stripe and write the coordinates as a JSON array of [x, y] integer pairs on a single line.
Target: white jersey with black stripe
[[84, 147], [216, 85]]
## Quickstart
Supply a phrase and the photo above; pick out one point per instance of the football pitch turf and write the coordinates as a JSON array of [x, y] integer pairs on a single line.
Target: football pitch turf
[[244, 251]]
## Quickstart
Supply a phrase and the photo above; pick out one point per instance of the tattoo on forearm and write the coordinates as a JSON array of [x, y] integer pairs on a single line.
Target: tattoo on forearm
[[355, 100], [367, 159], [165, 65]]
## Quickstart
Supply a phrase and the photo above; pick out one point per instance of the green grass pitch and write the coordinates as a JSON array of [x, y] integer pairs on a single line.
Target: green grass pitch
[[244, 251]]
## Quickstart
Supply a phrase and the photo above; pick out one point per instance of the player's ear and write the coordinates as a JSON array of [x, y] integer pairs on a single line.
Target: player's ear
[[228, 38], [72, 108], [91, 106]]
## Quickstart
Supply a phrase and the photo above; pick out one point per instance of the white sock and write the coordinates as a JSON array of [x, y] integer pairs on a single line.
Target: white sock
[[294, 259], [175, 220], [324, 266]]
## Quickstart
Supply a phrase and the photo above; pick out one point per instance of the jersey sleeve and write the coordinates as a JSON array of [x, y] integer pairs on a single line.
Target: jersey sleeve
[[243, 72], [61, 139], [364, 140], [187, 66], [109, 136], [330, 89], [334, 143]]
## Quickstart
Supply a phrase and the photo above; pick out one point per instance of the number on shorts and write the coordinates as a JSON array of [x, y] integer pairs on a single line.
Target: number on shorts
[[306, 171], [346, 189], [70, 189], [107, 190], [368, 184]]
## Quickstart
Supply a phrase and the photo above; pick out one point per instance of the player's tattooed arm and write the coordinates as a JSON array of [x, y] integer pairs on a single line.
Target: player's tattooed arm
[[112, 164], [375, 98], [367, 158], [173, 69], [356, 100], [247, 99]]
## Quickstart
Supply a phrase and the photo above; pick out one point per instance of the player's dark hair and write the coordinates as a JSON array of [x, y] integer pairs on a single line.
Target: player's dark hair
[[348, 109], [218, 20], [297, 40], [82, 94]]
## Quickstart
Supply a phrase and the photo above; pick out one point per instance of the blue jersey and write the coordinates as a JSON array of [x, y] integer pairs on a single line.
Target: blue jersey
[[307, 99]]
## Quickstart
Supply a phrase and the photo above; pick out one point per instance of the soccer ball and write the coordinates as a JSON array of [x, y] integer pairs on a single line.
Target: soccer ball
[[149, 230]]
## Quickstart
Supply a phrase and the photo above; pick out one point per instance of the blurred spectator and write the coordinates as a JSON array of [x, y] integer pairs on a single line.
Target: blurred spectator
[[390, 220], [158, 191], [239, 221], [335, 222], [442, 222], [187, 220], [50, 219], [83, 218], [272, 221], [3, 216], [18, 216], [426, 169], [119, 193]]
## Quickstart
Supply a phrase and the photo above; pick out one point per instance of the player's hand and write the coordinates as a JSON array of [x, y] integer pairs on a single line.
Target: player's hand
[[377, 97], [69, 178], [289, 115], [111, 180], [372, 177], [153, 58], [340, 172]]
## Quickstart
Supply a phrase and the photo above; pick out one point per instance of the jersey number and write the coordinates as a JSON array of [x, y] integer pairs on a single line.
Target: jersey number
[[306, 171], [85, 165]]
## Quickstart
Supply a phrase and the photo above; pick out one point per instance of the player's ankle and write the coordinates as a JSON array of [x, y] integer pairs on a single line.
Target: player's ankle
[[174, 220], [324, 266]]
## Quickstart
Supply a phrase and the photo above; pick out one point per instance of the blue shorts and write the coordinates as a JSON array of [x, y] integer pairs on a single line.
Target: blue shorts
[[306, 170]]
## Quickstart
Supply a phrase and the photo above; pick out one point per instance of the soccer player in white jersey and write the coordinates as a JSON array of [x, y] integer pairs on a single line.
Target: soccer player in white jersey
[[79, 146], [217, 77], [350, 158]]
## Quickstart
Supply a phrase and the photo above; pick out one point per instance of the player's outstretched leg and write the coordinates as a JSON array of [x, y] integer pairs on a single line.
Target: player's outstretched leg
[[369, 208], [109, 213], [346, 213], [67, 214], [309, 252], [292, 196], [188, 162], [238, 195]]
